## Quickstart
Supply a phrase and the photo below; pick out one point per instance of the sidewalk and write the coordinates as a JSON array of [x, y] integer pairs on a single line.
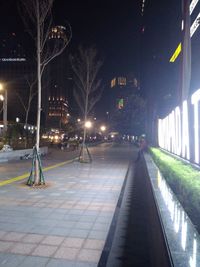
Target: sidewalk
[[67, 223]]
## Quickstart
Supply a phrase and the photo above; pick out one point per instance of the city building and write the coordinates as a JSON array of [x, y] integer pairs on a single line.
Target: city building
[[121, 88], [57, 84]]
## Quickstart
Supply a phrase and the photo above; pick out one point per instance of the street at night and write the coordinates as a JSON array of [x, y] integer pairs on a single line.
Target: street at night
[[99, 133]]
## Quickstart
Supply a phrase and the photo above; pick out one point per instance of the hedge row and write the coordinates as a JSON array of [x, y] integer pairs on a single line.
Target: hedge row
[[183, 179]]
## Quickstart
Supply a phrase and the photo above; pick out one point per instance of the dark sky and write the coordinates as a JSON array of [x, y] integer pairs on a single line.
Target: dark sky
[[110, 25], [115, 28]]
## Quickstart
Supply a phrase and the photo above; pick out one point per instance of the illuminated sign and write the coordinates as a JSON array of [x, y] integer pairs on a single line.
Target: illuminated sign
[[193, 29], [195, 25], [193, 5], [120, 103], [177, 129], [176, 53], [13, 59]]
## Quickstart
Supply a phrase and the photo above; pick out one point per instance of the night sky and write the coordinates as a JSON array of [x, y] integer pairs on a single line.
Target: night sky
[[112, 26], [115, 28]]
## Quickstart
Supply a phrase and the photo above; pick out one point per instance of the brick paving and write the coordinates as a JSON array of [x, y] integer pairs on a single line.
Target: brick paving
[[66, 223]]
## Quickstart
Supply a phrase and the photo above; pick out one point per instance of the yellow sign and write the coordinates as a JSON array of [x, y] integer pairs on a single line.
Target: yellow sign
[[176, 53]]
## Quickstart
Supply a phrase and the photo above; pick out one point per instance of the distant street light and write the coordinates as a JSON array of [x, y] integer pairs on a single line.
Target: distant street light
[[4, 98], [103, 128], [88, 124]]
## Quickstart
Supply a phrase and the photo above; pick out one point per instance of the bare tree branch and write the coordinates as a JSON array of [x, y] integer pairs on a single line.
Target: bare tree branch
[[88, 90], [36, 15]]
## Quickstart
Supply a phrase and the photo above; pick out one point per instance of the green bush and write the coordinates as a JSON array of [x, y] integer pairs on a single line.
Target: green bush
[[183, 179]]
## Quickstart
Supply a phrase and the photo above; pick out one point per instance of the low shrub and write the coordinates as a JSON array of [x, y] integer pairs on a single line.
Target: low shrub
[[183, 179]]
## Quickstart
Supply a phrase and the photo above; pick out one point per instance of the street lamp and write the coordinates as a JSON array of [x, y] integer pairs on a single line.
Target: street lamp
[[103, 128], [5, 105], [88, 124]]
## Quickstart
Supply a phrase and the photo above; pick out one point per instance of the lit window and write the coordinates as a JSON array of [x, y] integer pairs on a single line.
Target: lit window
[[121, 81], [113, 82], [120, 103]]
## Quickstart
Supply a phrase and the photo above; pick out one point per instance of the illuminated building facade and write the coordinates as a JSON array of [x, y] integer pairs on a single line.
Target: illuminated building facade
[[181, 122], [176, 47], [121, 88], [56, 109]]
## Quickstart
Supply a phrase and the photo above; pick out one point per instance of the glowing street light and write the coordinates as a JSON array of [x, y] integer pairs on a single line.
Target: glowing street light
[[103, 128], [88, 124]]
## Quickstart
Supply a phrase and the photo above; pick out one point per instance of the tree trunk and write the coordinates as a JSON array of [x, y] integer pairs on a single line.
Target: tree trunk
[[86, 111], [37, 178]]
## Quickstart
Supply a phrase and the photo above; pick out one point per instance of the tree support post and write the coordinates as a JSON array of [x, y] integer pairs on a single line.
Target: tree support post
[[82, 157], [36, 167]]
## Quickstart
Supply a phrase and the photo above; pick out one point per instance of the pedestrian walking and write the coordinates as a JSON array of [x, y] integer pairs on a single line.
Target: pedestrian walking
[[142, 148]]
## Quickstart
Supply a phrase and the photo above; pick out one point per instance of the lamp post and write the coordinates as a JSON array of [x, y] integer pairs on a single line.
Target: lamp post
[[5, 107]]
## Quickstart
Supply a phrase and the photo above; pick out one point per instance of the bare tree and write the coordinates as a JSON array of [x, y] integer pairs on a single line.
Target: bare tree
[[88, 89], [27, 104], [37, 18]]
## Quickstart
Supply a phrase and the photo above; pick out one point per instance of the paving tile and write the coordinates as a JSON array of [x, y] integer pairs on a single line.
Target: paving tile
[[60, 231], [60, 263], [52, 240], [84, 225], [9, 260], [22, 248], [13, 236], [85, 218], [85, 264], [33, 261], [72, 217], [43, 230], [2, 233], [44, 250], [82, 233], [33, 238], [73, 242], [94, 244], [89, 255], [4, 246], [66, 253], [98, 234], [101, 226]]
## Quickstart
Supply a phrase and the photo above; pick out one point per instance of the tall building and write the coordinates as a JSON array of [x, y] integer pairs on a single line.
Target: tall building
[[56, 84]]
